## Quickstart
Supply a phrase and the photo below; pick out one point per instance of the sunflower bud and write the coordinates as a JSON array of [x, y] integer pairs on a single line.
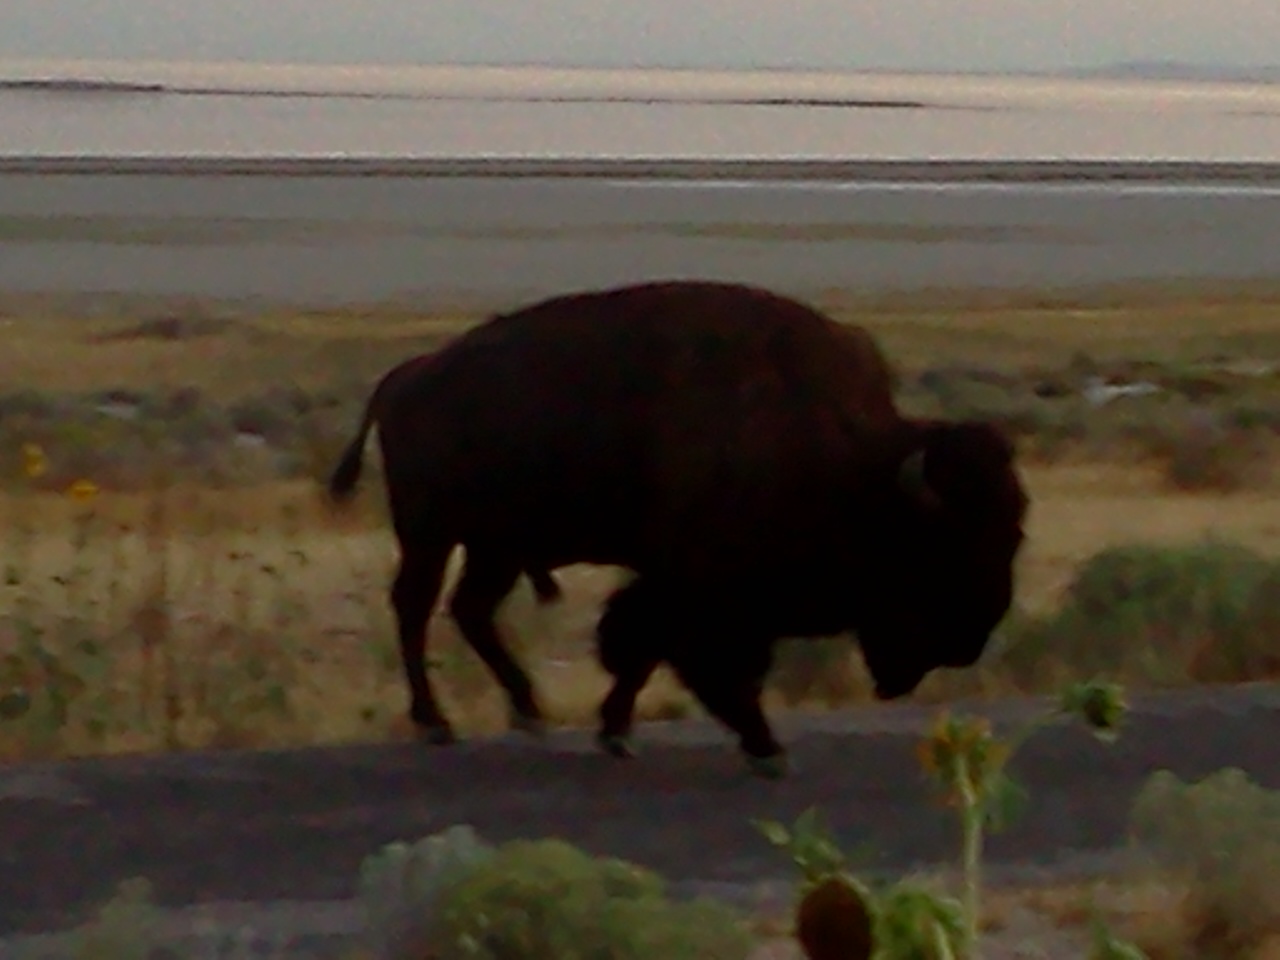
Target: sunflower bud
[[1099, 704]]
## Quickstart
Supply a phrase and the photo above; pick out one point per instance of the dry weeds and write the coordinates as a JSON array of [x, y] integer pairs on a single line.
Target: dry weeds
[[271, 576]]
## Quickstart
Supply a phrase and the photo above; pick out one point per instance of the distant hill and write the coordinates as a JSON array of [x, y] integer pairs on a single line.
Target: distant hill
[[1178, 70]]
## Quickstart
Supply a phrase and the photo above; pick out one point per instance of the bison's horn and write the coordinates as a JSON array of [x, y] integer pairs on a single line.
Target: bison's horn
[[911, 478]]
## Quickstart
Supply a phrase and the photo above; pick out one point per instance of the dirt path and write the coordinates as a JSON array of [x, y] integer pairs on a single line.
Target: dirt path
[[294, 825]]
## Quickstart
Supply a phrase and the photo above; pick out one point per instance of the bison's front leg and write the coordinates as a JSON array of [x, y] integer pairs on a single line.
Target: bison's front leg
[[731, 690], [617, 712], [626, 644], [737, 705]]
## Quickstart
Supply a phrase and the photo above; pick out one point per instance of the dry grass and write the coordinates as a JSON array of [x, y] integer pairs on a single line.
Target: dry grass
[[270, 576], [197, 374], [1011, 329], [270, 581], [244, 350], [230, 355]]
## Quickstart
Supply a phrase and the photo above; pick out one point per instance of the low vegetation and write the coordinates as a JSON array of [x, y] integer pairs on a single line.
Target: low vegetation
[[1203, 884], [547, 900], [840, 916], [1218, 840], [1203, 612], [218, 395]]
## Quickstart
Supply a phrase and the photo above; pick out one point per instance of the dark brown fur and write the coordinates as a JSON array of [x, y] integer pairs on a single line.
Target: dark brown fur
[[738, 450], [343, 481]]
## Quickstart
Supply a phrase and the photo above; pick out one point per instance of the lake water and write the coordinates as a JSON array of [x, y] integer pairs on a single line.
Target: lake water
[[220, 110], [494, 240], [347, 237]]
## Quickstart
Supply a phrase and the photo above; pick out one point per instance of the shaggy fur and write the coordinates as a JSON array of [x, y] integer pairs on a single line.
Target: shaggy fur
[[738, 450]]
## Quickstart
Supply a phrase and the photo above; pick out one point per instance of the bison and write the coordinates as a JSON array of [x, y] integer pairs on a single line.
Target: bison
[[739, 452]]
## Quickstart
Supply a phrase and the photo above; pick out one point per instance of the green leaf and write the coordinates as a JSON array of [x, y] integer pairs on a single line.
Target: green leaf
[[774, 832], [807, 823]]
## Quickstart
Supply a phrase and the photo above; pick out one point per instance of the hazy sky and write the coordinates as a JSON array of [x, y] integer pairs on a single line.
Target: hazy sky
[[854, 34]]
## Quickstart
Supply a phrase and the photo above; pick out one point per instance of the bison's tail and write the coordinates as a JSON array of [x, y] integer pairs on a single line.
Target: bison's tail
[[345, 476]]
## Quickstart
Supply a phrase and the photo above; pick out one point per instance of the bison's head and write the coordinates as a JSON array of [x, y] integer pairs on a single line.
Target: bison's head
[[946, 579]]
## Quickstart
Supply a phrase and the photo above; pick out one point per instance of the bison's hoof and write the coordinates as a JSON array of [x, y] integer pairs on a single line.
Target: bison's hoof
[[437, 735], [772, 767], [616, 745]]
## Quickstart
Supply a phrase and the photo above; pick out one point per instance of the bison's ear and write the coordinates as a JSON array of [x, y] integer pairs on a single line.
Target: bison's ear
[[912, 481]]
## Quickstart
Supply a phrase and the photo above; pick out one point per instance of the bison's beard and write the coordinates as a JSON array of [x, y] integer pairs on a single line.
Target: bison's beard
[[895, 688]]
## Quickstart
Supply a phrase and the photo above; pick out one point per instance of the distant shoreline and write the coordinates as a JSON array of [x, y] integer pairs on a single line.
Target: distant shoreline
[[81, 86], [118, 87], [1242, 173]]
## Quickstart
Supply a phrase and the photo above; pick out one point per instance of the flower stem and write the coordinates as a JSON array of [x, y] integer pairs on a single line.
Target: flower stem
[[971, 826]]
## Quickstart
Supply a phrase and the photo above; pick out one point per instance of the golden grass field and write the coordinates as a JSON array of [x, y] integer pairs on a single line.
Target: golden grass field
[[316, 348], [187, 615]]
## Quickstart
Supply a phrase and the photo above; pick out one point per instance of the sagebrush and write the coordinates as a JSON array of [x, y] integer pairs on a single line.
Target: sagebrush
[[1158, 615], [1220, 837]]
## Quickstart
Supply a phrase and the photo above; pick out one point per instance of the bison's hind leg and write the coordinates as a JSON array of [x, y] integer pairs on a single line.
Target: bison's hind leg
[[413, 596], [486, 580]]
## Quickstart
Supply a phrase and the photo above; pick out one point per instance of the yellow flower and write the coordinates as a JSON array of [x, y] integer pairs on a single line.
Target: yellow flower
[[82, 491], [943, 727], [972, 736], [34, 462], [956, 739], [927, 755], [937, 750]]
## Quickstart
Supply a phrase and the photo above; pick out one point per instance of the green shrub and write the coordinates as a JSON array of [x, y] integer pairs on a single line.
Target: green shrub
[[402, 885], [1222, 835], [125, 927], [1206, 612], [547, 900], [1200, 450]]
